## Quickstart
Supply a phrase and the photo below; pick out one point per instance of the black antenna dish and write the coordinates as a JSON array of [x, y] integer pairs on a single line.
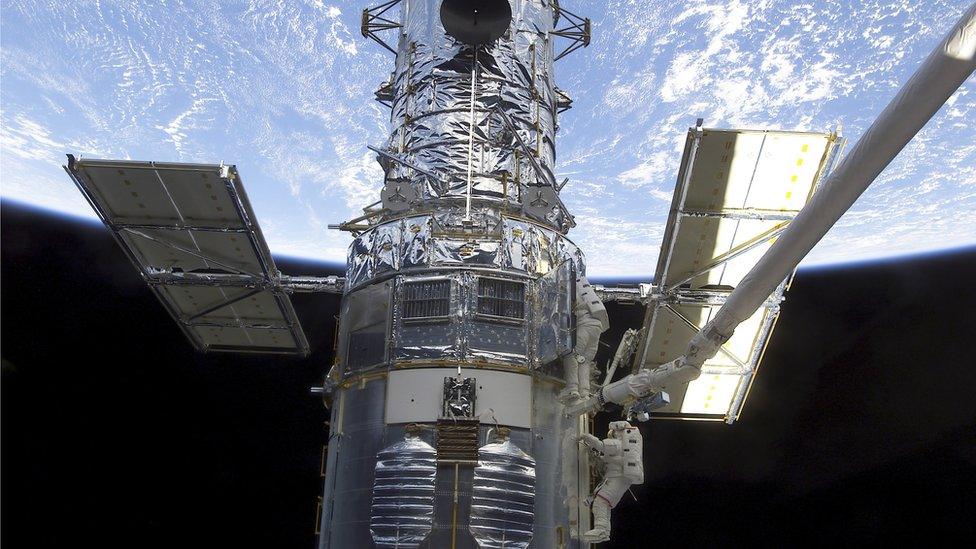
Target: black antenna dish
[[476, 22]]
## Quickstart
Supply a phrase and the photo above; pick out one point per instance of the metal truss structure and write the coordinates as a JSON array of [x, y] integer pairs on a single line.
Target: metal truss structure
[[577, 30], [373, 21]]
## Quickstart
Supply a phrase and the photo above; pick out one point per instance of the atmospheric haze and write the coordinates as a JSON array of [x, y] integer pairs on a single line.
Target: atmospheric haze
[[285, 91]]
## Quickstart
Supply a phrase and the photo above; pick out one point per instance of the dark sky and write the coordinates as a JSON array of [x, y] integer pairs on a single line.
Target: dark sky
[[861, 428]]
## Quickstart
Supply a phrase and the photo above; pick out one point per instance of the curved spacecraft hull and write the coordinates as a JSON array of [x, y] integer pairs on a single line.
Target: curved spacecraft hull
[[458, 301]]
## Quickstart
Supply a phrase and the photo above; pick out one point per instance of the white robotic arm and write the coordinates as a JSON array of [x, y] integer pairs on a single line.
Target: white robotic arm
[[639, 385]]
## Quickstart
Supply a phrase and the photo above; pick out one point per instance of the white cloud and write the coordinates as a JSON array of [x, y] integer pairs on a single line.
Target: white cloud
[[27, 139], [652, 171], [284, 90]]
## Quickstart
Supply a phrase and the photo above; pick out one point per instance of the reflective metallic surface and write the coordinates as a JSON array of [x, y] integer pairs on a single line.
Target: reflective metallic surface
[[358, 433], [514, 107], [459, 397], [403, 494], [464, 265], [503, 496], [427, 242]]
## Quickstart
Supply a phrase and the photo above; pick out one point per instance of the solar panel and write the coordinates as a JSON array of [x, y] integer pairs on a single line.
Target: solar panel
[[190, 231], [736, 191]]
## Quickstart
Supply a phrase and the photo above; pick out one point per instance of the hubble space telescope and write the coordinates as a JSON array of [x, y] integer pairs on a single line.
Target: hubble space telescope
[[461, 293]]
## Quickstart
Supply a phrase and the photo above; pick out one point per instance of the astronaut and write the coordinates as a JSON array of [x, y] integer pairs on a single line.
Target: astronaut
[[591, 321], [622, 454]]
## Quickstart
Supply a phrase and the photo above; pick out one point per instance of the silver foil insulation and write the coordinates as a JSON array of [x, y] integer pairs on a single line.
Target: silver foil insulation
[[438, 278], [380, 329], [511, 144], [503, 497], [403, 494], [431, 241]]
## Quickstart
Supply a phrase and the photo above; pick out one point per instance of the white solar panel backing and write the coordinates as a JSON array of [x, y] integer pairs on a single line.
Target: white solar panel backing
[[736, 190], [192, 234]]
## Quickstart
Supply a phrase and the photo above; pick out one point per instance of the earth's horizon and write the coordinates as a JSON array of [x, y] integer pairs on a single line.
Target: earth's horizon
[[284, 91], [324, 265]]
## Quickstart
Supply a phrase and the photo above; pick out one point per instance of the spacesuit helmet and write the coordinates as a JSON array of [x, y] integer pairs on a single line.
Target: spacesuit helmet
[[616, 426]]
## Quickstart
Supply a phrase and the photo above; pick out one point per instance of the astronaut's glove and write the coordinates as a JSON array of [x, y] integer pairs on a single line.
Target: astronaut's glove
[[591, 441]]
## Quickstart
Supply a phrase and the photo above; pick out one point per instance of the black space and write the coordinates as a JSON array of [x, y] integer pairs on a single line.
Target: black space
[[861, 428]]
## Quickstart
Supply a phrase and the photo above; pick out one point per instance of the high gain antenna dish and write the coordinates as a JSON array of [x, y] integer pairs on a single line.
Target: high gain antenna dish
[[476, 22]]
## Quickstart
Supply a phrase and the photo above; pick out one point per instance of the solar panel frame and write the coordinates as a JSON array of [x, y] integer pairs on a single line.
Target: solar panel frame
[[757, 219], [176, 243]]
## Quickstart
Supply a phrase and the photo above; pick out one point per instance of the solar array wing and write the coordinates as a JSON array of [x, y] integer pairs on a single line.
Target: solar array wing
[[736, 191], [190, 231]]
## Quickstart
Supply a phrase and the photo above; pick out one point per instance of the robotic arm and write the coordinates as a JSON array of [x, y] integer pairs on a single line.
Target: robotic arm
[[939, 76], [639, 385]]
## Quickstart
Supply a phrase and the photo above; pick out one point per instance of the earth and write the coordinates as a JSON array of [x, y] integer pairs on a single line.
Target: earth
[[284, 90]]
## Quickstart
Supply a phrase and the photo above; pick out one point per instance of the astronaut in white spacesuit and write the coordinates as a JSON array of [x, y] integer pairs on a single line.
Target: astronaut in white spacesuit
[[591, 321], [622, 454]]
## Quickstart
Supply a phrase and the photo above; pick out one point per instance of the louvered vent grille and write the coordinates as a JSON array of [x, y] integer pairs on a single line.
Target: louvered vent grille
[[501, 298], [428, 299]]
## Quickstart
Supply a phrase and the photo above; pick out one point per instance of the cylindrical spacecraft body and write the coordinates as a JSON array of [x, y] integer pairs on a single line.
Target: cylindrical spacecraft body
[[445, 429]]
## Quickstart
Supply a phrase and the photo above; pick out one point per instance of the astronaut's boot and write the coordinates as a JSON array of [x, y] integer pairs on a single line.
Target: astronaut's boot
[[601, 522], [570, 394]]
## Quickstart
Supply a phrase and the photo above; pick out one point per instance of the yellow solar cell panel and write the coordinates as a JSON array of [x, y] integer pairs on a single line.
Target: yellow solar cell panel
[[736, 191]]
